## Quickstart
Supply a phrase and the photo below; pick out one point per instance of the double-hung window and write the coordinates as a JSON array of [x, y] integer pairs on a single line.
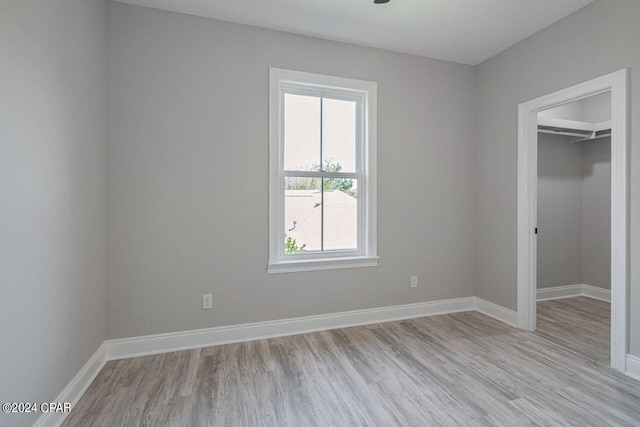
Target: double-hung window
[[322, 181]]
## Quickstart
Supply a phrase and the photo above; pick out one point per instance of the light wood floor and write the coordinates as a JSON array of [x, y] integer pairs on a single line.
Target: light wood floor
[[458, 369]]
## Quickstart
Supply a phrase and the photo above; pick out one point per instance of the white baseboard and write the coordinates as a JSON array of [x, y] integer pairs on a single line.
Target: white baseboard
[[185, 340], [633, 366], [496, 311], [557, 292], [76, 388], [570, 291], [596, 293], [164, 343], [176, 341]]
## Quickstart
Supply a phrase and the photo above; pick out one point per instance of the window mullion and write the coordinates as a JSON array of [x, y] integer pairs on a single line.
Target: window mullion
[[321, 179], [323, 174], [321, 133], [322, 215]]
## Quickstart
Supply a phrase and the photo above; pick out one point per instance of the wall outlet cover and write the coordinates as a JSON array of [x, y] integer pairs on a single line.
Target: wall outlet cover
[[207, 301]]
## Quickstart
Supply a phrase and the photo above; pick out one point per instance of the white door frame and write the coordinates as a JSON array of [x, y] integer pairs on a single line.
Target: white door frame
[[528, 200]]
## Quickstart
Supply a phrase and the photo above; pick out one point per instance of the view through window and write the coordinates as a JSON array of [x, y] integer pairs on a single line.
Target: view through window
[[321, 210]]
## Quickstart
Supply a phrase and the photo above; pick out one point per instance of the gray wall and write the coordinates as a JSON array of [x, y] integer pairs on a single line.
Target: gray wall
[[601, 38], [559, 212], [187, 180], [596, 213], [574, 212], [52, 195]]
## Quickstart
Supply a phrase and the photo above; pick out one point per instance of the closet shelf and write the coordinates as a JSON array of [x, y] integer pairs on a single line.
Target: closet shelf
[[577, 130]]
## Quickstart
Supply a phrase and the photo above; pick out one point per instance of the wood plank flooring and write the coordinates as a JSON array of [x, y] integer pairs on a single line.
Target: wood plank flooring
[[457, 369]]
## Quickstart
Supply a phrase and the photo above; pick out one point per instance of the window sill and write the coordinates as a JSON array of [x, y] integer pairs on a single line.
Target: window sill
[[322, 264]]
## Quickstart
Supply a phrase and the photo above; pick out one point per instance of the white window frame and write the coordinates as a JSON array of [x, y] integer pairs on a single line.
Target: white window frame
[[364, 93]]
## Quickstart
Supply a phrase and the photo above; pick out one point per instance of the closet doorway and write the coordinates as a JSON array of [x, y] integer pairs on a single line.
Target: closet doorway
[[574, 226], [572, 202]]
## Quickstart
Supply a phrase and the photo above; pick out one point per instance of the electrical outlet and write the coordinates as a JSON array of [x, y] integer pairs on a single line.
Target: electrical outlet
[[207, 301], [414, 281]]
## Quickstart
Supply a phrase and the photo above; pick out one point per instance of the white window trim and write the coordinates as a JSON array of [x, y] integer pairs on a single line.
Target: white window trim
[[366, 255]]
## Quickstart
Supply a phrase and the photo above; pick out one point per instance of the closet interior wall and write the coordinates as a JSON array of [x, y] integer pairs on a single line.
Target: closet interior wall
[[574, 212]]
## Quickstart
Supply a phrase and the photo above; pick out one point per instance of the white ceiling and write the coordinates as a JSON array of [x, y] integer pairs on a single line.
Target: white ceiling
[[466, 31]]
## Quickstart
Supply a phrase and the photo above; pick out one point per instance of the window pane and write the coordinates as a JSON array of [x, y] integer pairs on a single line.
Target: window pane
[[338, 135], [302, 214], [340, 214], [301, 132]]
